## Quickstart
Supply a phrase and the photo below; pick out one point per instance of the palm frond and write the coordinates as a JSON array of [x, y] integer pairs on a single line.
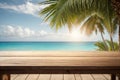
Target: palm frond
[[101, 46]]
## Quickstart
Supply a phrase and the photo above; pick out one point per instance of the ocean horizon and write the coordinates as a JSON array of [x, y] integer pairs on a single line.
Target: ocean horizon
[[43, 46]]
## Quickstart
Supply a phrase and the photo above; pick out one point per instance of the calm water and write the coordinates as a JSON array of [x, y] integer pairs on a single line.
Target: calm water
[[81, 46]]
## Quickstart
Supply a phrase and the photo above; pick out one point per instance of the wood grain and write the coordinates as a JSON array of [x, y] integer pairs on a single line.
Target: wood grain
[[63, 62]]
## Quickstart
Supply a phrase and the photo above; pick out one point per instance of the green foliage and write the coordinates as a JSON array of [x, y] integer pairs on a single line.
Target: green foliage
[[61, 12], [101, 46], [93, 23], [57, 13], [68, 12], [96, 23]]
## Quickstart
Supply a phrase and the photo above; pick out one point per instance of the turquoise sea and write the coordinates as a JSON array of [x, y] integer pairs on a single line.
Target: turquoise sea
[[25, 46]]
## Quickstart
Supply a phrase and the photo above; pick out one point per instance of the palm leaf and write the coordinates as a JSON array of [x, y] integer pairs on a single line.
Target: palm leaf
[[101, 46]]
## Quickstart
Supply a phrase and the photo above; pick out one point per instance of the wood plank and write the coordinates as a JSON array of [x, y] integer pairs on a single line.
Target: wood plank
[[73, 63], [44, 77], [60, 61], [86, 77], [69, 77], [57, 77], [22, 77], [60, 64], [33, 77], [107, 76], [60, 77], [58, 53], [77, 77], [14, 76], [98, 77]]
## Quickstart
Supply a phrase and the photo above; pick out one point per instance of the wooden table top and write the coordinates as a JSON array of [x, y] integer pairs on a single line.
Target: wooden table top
[[60, 58]]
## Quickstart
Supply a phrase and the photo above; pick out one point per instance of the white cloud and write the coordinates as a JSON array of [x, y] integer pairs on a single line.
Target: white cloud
[[19, 32], [8, 32], [42, 33], [44, 24], [28, 32], [16, 31], [26, 8]]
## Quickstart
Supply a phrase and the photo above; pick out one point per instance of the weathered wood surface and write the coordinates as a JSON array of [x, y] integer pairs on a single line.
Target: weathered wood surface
[[61, 62], [60, 77], [58, 54], [64, 62], [59, 58]]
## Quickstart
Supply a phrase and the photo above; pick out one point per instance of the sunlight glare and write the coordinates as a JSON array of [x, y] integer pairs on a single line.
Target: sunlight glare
[[75, 33]]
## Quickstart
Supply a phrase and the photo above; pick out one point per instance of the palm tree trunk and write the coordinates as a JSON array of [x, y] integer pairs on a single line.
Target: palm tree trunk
[[104, 41], [119, 28], [116, 6], [119, 32], [111, 39]]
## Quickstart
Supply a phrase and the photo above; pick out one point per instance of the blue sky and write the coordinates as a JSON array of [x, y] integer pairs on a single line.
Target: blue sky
[[19, 21]]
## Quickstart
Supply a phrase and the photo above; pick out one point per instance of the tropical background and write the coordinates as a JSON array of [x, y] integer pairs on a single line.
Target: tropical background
[[61, 21], [92, 15]]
